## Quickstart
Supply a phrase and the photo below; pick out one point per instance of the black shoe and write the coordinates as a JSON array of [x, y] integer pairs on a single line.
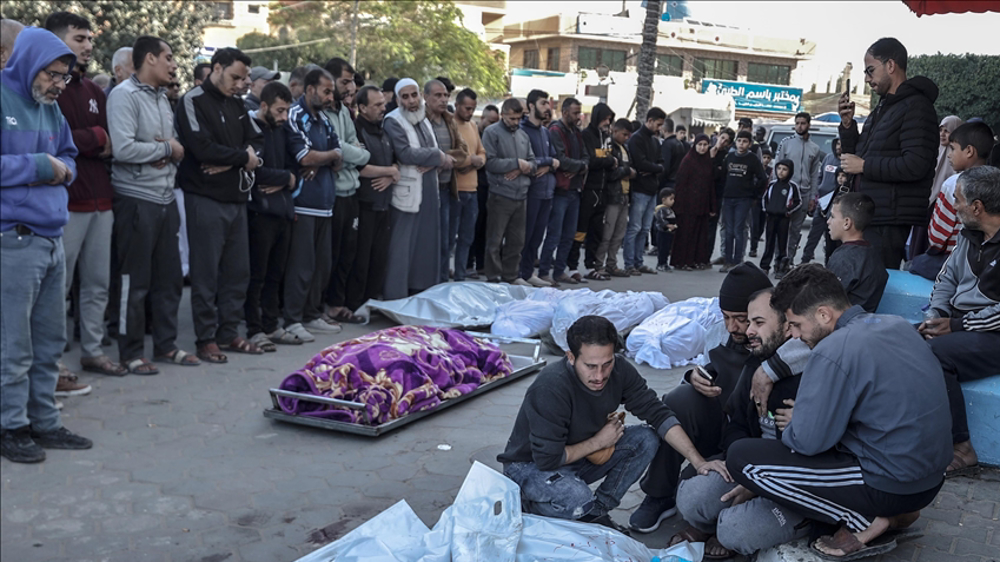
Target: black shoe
[[17, 446], [753, 253], [648, 516], [607, 521], [61, 438]]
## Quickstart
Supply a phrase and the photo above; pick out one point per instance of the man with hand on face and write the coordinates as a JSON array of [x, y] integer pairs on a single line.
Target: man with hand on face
[[893, 159], [36, 167], [87, 236], [723, 514], [146, 157], [221, 145], [270, 213], [872, 450], [699, 401], [567, 435], [315, 149], [377, 177], [414, 251]]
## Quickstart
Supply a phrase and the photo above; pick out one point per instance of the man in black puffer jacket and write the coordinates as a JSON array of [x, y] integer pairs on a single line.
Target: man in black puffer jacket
[[894, 157]]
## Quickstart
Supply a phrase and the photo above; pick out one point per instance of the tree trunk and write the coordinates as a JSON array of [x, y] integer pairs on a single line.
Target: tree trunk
[[647, 58], [354, 35]]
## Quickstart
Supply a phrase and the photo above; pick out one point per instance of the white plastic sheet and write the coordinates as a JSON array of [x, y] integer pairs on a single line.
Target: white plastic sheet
[[523, 319], [680, 333], [452, 305], [485, 523], [623, 309]]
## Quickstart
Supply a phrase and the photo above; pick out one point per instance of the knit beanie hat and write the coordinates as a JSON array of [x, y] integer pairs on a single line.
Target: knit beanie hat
[[741, 282]]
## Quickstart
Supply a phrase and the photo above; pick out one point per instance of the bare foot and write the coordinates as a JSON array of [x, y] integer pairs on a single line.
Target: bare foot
[[878, 526]]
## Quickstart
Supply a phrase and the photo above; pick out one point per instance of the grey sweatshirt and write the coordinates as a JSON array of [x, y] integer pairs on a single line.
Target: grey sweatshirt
[[806, 156], [138, 114], [874, 387], [503, 148], [558, 410]]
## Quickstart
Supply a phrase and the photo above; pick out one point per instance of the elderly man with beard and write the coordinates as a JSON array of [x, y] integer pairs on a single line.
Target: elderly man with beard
[[36, 167], [872, 450], [346, 209], [316, 149], [723, 514], [414, 262], [699, 402]]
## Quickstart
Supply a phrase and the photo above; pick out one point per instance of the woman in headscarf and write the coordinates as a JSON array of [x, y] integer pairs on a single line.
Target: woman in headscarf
[[943, 170], [694, 203]]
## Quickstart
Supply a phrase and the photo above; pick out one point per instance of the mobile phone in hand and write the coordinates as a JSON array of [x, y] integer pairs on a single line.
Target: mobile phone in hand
[[705, 374], [848, 92]]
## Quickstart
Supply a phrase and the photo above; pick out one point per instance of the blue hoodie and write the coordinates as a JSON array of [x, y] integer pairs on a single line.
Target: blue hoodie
[[545, 186], [28, 133]]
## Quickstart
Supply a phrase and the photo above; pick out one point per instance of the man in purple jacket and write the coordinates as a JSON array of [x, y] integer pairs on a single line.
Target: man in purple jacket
[[36, 167]]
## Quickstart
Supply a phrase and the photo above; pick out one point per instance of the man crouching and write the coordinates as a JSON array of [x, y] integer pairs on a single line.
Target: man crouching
[[566, 435]]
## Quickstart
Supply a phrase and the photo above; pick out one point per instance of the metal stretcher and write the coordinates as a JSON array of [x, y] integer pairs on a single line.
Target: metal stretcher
[[522, 366]]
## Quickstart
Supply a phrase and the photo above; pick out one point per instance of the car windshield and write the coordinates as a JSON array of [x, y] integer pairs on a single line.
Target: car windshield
[[822, 137]]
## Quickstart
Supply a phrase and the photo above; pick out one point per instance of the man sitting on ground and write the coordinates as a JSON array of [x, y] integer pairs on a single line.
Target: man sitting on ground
[[745, 526], [872, 450], [567, 436], [965, 336]]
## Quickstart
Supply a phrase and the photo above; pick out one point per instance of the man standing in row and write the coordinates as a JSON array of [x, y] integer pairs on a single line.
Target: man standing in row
[[450, 142], [567, 139], [221, 145], [87, 236], [36, 167], [805, 154], [646, 159], [465, 210], [543, 183], [259, 77]]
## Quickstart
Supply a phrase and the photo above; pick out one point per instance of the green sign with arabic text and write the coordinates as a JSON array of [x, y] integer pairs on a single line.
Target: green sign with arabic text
[[756, 97]]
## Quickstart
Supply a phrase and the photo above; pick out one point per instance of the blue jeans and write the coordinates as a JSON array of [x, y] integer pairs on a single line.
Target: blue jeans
[[538, 213], [565, 492], [448, 209], [640, 219], [560, 233], [734, 216], [464, 213], [33, 328]]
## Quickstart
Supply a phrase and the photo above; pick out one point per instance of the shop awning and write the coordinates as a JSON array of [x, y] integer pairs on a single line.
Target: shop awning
[[932, 7]]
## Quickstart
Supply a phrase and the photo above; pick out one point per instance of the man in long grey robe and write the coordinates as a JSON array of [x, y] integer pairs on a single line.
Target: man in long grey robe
[[414, 260]]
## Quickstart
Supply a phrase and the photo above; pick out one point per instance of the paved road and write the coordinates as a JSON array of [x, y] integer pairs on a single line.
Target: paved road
[[186, 468]]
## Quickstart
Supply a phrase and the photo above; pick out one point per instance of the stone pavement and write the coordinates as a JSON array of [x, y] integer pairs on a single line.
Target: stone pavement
[[186, 468]]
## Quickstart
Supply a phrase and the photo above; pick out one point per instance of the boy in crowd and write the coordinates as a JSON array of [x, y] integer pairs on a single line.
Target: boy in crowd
[[744, 182], [665, 222], [970, 147], [856, 263], [780, 201], [757, 215], [827, 182], [616, 201]]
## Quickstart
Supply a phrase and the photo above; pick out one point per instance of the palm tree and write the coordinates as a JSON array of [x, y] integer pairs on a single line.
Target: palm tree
[[647, 58]]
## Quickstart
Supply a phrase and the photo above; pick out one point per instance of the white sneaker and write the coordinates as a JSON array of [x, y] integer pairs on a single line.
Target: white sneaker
[[521, 282], [300, 332], [320, 325], [535, 281]]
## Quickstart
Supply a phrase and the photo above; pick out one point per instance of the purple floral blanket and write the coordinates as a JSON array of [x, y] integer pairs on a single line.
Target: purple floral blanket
[[394, 372]]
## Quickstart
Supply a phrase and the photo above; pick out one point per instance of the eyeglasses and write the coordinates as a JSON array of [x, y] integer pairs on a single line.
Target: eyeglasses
[[870, 69], [65, 77]]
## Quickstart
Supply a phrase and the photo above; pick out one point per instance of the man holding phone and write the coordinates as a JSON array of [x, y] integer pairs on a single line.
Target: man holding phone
[[567, 434], [894, 157]]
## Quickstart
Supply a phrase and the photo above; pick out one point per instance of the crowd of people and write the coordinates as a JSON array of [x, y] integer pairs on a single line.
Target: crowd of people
[[289, 206]]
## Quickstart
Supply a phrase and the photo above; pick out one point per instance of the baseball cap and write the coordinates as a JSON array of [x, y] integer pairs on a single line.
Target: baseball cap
[[262, 73]]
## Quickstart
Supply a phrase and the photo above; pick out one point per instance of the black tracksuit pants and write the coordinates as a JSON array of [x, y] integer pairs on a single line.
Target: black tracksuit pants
[[344, 248], [270, 238], [149, 264], [308, 269], [828, 487], [368, 274], [219, 265], [589, 230], [965, 356], [776, 236]]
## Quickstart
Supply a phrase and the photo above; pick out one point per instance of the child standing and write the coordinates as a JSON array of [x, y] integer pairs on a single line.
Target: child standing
[[616, 203], [780, 201], [745, 180], [665, 223], [757, 215], [856, 263]]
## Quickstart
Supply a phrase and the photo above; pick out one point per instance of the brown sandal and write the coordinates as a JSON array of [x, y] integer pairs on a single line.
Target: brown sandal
[[240, 345], [691, 534], [178, 357], [853, 549], [141, 366], [210, 353], [103, 365]]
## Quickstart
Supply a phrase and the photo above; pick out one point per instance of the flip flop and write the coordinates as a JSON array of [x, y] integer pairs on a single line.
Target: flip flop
[[178, 357], [691, 534], [853, 549]]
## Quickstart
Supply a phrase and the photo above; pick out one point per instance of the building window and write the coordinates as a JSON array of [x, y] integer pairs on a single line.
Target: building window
[[669, 65], [254, 8], [768, 73], [223, 10], [552, 59], [715, 69], [589, 57], [531, 59]]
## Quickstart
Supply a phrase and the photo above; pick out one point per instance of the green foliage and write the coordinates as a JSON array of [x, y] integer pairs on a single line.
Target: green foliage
[[117, 23], [968, 84], [419, 39]]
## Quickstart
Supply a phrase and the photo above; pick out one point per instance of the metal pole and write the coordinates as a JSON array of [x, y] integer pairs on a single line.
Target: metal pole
[[354, 35]]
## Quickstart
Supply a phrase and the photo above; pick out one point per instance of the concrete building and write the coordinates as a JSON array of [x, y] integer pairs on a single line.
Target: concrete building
[[234, 20]]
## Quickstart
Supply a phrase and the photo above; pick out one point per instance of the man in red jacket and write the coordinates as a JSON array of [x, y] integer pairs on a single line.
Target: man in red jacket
[[87, 237]]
